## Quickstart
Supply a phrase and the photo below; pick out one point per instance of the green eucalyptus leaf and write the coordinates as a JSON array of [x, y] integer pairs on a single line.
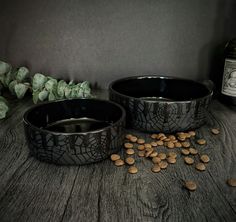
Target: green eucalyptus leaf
[[4, 67], [43, 95], [8, 78], [84, 84], [35, 96], [68, 92], [71, 83], [3, 108], [51, 96], [11, 87], [39, 81], [74, 92], [20, 90], [80, 93], [2, 79], [61, 88], [22, 73], [51, 84]]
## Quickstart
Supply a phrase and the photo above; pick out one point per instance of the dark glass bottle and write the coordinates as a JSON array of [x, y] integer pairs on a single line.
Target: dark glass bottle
[[228, 89]]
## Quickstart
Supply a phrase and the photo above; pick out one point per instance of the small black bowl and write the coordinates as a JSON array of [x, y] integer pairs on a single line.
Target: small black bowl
[[162, 104], [74, 132]]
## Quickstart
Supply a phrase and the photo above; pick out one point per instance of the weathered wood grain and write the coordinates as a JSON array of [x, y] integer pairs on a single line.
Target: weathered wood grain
[[34, 191]]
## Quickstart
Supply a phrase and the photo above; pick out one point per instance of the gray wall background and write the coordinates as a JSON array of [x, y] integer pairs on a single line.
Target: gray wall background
[[104, 40]]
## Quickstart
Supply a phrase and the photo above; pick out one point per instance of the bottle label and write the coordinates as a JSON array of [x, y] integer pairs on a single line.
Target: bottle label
[[229, 78]]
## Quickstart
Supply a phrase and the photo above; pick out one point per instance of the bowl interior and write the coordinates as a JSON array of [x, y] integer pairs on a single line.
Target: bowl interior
[[160, 88], [74, 116]]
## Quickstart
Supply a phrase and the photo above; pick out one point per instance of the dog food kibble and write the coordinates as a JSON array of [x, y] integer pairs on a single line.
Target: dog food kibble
[[140, 141], [148, 153], [129, 160], [190, 185], [171, 160], [188, 160], [204, 158], [153, 154], [172, 137], [156, 168], [162, 138], [162, 156], [156, 159], [178, 145], [181, 138], [163, 164], [232, 182], [147, 145], [119, 162], [193, 151], [185, 151], [200, 166], [141, 147], [170, 145], [128, 136], [154, 144], [130, 151], [128, 145], [133, 170], [192, 133], [154, 136], [115, 157], [172, 154], [185, 144], [141, 153], [166, 139], [133, 139], [160, 135], [160, 143], [201, 141], [215, 131]]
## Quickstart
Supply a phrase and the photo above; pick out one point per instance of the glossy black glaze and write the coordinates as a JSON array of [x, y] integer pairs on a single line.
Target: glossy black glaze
[[74, 148], [162, 104]]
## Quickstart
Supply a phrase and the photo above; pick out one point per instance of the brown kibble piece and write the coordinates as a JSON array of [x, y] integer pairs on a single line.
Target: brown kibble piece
[[128, 136], [119, 162], [162, 138], [172, 137], [148, 153], [170, 145], [201, 141], [187, 135], [190, 185], [154, 144], [205, 158], [156, 159], [156, 168], [178, 145], [231, 182], [130, 151], [166, 139], [128, 145], [192, 133], [140, 141], [188, 160], [162, 156], [133, 170], [171, 160], [200, 166], [154, 136], [141, 147], [141, 153], [172, 154], [215, 131], [147, 145], [163, 164], [153, 154], [159, 135], [193, 151], [130, 160], [133, 139], [160, 143], [186, 144], [181, 138], [115, 157], [185, 151]]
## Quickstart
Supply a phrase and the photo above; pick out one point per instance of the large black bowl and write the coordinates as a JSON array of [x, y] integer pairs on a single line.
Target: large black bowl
[[74, 132], [162, 104]]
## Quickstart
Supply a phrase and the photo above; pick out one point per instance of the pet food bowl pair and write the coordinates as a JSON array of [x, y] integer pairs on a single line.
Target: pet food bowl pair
[[82, 131]]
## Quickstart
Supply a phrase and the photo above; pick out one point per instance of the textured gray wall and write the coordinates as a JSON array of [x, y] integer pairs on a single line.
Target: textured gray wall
[[107, 39]]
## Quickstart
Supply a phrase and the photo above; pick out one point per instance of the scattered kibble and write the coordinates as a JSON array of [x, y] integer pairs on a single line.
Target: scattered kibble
[[200, 166], [141, 147], [205, 158], [140, 141], [128, 136], [133, 139], [119, 162], [171, 160], [147, 145], [201, 141], [172, 154], [215, 131], [170, 145], [188, 160], [130, 160], [192, 133], [141, 153], [154, 144], [156, 159], [154, 136], [133, 170], [193, 151], [160, 142], [148, 153], [231, 182], [162, 156], [130, 151], [163, 164], [115, 157], [153, 154], [185, 152], [186, 144], [156, 168], [178, 145], [128, 145], [172, 137], [190, 185]]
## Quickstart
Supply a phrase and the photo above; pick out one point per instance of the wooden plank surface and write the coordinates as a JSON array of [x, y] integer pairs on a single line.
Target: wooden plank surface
[[34, 191]]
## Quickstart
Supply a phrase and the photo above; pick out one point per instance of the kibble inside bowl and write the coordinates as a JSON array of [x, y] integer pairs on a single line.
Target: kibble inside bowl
[[162, 104], [74, 132]]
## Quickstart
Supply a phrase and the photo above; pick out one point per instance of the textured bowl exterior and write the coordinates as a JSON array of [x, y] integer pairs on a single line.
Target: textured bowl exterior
[[162, 116], [75, 149]]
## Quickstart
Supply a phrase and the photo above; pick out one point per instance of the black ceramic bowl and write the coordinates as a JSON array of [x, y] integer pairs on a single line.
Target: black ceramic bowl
[[162, 104], [74, 132]]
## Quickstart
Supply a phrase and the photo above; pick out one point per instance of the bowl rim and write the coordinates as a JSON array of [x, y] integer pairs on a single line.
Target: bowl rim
[[27, 122], [110, 87]]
